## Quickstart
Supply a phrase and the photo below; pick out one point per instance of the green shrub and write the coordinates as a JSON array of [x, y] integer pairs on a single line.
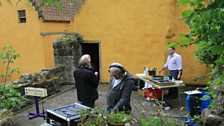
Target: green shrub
[[88, 118], [101, 118], [119, 118], [12, 99], [161, 121]]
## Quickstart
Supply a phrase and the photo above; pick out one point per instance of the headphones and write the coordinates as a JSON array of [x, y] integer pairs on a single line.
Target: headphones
[[118, 66]]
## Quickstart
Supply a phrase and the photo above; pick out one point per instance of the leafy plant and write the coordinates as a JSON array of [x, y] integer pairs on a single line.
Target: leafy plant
[[197, 119], [119, 118], [48, 3], [100, 118], [205, 19], [205, 97], [151, 121], [12, 99], [90, 118], [56, 3], [67, 38], [160, 121], [8, 56]]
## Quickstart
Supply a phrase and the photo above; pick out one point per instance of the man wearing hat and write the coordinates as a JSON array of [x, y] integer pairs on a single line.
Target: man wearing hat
[[121, 86]]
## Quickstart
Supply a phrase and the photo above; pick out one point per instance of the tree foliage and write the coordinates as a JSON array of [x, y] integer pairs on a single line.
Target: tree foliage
[[8, 56], [206, 22], [56, 3], [10, 97]]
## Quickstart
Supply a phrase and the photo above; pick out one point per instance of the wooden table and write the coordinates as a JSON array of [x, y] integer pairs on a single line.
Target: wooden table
[[161, 85]]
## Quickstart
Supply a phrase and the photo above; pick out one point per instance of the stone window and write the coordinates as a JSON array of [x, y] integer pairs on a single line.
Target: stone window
[[22, 16]]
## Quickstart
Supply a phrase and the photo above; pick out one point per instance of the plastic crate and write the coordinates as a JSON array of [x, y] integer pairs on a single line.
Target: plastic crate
[[153, 93], [203, 103]]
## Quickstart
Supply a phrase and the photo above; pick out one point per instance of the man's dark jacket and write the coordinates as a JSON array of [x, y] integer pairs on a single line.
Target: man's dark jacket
[[86, 84], [119, 97]]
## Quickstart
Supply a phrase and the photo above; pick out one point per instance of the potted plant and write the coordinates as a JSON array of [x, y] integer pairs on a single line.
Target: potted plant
[[90, 118], [118, 119]]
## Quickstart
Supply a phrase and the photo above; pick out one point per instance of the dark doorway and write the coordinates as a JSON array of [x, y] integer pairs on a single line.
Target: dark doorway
[[93, 50]]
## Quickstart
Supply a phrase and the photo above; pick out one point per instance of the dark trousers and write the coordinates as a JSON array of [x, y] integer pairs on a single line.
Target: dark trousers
[[173, 74], [173, 92], [90, 104]]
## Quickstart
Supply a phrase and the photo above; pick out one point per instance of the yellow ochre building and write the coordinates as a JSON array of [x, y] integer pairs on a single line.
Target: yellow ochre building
[[132, 32]]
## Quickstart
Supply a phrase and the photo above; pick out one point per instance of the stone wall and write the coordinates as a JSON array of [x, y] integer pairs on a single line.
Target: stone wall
[[51, 79], [215, 116], [219, 100], [67, 51], [211, 118]]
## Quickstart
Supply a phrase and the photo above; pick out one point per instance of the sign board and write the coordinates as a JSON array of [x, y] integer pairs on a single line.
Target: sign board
[[40, 92]]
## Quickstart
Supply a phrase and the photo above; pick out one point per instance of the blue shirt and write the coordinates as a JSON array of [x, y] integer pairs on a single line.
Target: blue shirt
[[174, 62]]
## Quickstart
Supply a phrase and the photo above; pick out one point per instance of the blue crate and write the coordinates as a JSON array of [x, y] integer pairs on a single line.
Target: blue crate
[[203, 103]]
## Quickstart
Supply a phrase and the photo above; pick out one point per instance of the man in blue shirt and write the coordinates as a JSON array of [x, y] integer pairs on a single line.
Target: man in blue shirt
[[174, 65]]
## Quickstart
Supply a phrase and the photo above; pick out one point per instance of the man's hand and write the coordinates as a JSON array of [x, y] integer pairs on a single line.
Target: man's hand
[[160, 71], [96, 74], [179, 77], [179, 74], [112, 112]]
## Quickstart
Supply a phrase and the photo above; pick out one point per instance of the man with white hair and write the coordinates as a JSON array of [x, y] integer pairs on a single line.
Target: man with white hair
[[91, 65], [121, 86], [86, 83]]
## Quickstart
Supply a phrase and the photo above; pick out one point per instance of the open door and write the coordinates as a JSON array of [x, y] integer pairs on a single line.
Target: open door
[[93, 50]]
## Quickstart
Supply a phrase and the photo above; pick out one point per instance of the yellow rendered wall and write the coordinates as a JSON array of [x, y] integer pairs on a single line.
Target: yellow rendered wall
[[36, 51], [134, 33], [51, 27], [25, 38]]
